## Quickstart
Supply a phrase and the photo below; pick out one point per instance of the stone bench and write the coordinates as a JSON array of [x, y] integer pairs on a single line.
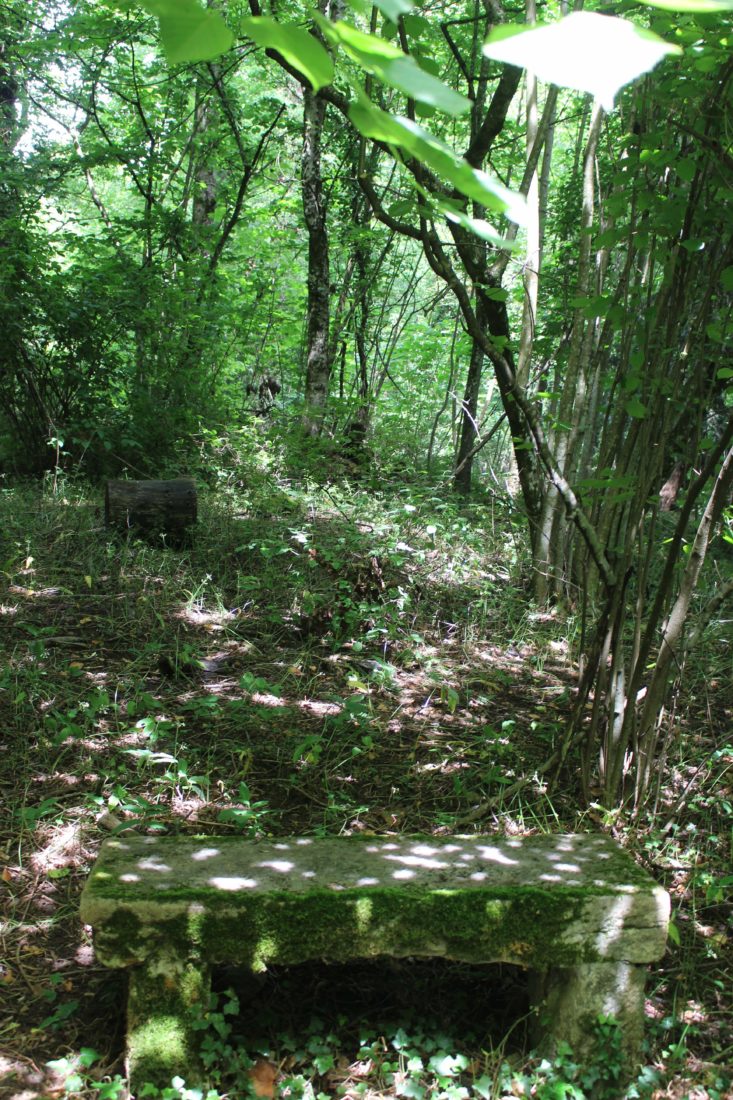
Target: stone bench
[[575, 910]]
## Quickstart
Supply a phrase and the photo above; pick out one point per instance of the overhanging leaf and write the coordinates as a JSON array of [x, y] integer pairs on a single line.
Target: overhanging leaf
[[694, 7], [419, 143], [586, 51], [407, 76], [393, 9], [304, 52], [358, 43], [189, 32], [481, 228], [199, 37], [393, 67]]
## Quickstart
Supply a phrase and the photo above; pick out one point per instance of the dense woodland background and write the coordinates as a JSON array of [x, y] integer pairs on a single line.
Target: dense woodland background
[[465, 462]]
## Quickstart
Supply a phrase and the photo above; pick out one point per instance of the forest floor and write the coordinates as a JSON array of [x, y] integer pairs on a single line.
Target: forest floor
[[320, 662]]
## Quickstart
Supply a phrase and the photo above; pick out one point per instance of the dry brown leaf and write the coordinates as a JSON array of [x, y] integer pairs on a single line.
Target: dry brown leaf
[[262, 1075]]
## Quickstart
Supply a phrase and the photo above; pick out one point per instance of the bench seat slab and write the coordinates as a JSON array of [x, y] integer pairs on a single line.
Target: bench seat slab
[[574, 909]]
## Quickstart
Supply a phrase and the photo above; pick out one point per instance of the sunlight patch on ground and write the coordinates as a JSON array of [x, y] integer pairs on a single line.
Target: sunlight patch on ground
[[317, 706], [445, 767], [62, 847], [34, 593], [208, 620], [267, 700]]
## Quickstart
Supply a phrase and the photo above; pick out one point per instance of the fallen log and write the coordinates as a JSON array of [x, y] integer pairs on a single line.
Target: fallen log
[[166, 508]]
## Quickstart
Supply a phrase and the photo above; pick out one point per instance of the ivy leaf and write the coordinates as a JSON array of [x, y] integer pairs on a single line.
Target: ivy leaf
[[189, 32], [299, 48], [586, 51]]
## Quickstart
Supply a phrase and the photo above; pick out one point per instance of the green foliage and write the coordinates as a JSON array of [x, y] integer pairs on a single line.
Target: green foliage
[[77, 1076], [297, 46], [188, 31], [389, 64]]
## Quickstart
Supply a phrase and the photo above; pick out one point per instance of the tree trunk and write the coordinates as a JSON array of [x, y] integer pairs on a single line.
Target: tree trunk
[[469, 427], [318, 362]]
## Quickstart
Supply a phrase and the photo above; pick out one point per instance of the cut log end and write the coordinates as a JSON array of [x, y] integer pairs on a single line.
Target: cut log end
[[166, 508]]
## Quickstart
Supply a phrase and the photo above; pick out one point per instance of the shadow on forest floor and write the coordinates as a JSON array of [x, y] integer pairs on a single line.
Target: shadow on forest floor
[[350, 665]]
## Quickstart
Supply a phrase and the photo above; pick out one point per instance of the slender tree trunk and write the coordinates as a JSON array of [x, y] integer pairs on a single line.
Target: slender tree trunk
[[531, 271], [318, 362], [469, 427], [549, 572]]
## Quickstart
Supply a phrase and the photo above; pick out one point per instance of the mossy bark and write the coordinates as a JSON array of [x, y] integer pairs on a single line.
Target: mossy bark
[[166, 999]]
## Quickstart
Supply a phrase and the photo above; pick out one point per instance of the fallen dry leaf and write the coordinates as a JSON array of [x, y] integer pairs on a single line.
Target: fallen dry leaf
[[262, 1075]]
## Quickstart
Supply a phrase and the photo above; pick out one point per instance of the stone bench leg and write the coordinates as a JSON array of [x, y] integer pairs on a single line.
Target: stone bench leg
[[568, 1001], [166, 996]]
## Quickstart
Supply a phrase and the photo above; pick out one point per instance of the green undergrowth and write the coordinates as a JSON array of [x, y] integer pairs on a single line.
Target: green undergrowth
[[322, 656], [422, 1055]]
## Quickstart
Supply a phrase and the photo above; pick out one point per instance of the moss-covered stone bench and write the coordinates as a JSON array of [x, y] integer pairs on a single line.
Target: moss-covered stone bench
[[575, 910]]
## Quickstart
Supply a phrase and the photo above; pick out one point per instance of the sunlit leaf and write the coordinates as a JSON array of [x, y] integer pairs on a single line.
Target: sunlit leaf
[[393, 67], [419, 143], [374, 123], [586, 51], [694, 7], [407, 76], [393, 9], [189, 32], [358, 43], [299, 48], [478, 226]]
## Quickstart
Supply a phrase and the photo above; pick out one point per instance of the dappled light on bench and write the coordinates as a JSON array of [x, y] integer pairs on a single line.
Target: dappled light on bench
[[574, 910]]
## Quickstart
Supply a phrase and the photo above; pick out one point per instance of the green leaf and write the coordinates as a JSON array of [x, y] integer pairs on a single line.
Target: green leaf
[[408, 77], [189, 32], [686, 169], [696, 7], [393, 9], [726, 278], [358, 44], [402, 207], [635, 408], [361, 7], [586, 51], [393, 67], [390, 9], [419, 143], [299, 48], [372, 122], [479, 227]]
